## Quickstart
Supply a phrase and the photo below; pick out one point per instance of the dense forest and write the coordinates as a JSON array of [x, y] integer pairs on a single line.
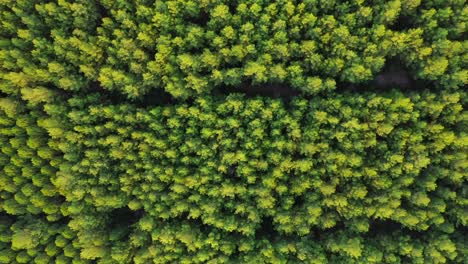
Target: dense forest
[[241, 131]]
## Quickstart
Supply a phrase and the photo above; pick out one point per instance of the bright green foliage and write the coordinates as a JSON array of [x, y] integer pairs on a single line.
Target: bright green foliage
[[220, 180], [47, 44], [348, 179], [35, 240], [189, 48], [27, 164], [120, 142], [236, 180], [442, 55]]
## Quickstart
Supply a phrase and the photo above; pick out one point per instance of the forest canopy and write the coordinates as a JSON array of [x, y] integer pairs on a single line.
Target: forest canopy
[[246, 131]]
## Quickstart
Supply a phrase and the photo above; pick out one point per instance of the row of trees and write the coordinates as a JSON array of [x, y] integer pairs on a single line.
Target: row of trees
[[221, 180], [34, 240], [188, 48], [27, 163]]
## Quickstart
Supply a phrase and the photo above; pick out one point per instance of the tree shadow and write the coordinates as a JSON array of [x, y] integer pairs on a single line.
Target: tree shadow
[[266, 229], [271, 90], [394, 75]]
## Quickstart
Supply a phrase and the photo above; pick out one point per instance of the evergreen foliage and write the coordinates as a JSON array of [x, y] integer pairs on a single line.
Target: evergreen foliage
[[120, 141], [189, 48]]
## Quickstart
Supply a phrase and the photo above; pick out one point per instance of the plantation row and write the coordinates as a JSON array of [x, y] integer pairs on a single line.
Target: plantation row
[[34, 240], [346, 179], [189, 48]]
